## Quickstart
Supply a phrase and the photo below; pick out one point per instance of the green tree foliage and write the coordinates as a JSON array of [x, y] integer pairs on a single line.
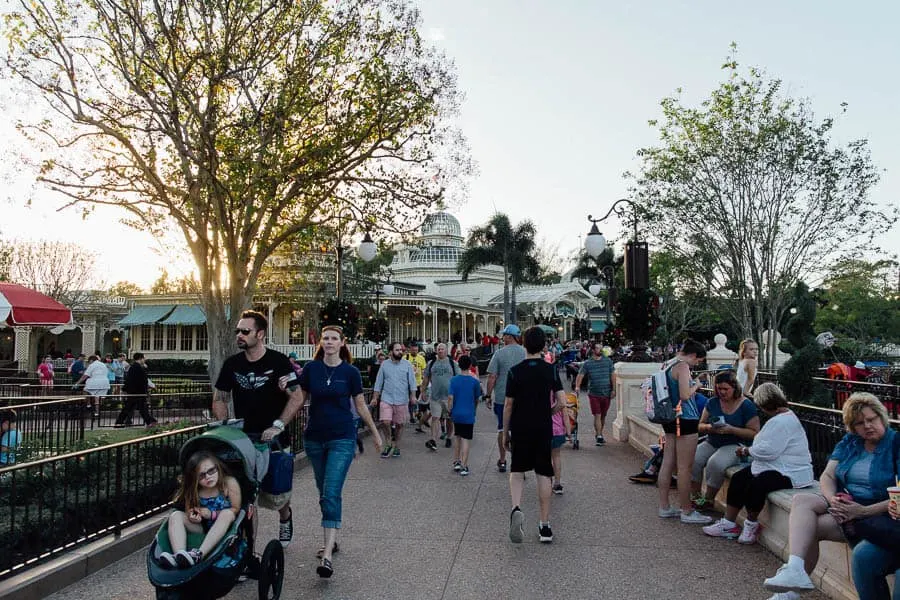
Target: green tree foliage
[[682, 307], [180, 285], [125, 288], [796, 376], [499, 243], [862, 304], [241, 122], [748, 190]]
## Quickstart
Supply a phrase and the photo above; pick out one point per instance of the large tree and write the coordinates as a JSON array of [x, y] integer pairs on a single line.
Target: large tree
[[62, 270], [751, 193], [499, 243], [240, 121]]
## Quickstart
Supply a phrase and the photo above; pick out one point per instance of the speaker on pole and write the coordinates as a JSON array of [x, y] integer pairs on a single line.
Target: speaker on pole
[[637, 265]]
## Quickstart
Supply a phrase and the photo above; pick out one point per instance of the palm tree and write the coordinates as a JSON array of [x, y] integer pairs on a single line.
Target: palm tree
[[499, 243]]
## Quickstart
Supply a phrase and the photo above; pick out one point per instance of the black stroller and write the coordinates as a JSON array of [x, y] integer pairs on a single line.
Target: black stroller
[[216, 574]]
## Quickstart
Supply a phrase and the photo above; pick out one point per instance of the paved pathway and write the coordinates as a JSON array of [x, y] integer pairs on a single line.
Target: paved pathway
[[413, 529]]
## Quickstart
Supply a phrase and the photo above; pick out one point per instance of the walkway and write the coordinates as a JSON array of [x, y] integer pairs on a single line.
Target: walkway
[[415, 530]]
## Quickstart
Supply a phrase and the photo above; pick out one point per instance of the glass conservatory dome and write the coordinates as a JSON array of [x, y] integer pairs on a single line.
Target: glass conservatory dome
[[441, 223], [436, 254]]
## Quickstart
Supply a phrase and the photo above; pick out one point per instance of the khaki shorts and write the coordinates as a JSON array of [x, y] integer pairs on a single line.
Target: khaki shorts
[[439, 408], [273, 502]]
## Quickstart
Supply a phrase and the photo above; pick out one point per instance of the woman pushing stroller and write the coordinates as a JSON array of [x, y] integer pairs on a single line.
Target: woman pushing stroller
[[211, 499]]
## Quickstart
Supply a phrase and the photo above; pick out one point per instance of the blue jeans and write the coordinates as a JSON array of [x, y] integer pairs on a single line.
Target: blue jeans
[[871, 564], [330, 462]]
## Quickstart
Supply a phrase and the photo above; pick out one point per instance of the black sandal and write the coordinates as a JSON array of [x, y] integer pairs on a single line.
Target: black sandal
[[334, 550], [326, 569]]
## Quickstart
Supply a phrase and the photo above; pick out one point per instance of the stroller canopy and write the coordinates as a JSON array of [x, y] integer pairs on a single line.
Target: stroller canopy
[[235, 444]]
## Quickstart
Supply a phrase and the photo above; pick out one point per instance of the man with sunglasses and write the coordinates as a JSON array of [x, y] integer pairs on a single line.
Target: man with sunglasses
[[252, 378]]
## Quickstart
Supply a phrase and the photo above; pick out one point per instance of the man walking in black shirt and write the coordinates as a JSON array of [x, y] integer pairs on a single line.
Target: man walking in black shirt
[[136, 388], [251, 377], [531, 386]]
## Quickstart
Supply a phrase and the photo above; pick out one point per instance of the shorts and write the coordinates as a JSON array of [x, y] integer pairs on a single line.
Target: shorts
[[463, 430], [599, 405], [688, 427], [439, 408], [418, 392], [423, 407], [273, 501], [498, 411], [398, 414], [557, 441], [96, 392], [532, 454]]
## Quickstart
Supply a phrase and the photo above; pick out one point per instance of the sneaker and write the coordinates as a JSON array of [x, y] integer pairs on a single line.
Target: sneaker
[[557, 489], [750, 533], [789, 579], [431, 445], [545, 534], [600, 441], [501, 466], [286, 531], [464, 471], [516, 526], [167, 560], [419, 430], [457, 466], [786, 596], [449, 442], [396, 453], [695, 518], [669, 513], [386, 452], [642, 477], [188, 558], [722, 529]]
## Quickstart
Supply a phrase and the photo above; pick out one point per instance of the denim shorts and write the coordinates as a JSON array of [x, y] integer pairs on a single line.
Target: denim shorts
[[557, 441]]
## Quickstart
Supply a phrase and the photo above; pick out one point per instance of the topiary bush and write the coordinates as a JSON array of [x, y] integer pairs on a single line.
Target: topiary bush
[[796, 376]]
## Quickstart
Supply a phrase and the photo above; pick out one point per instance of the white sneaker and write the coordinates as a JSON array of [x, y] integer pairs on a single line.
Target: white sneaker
[[786, 596], [750, 533], [789, 579], [695, 518], [668, 513], [722, 529]]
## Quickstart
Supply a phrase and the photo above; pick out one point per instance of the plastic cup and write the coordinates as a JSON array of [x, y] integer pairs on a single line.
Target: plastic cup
[[894, 494]]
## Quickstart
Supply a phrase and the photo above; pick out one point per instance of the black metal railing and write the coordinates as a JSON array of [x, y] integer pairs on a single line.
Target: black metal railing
[[49, 506]]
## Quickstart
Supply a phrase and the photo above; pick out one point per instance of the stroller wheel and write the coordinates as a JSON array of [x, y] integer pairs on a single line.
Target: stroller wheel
[[167, 594], [271, 571]]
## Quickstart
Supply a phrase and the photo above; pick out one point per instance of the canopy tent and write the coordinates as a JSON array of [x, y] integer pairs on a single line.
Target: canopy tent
[[20, 305], [547, 329], [147, 315]]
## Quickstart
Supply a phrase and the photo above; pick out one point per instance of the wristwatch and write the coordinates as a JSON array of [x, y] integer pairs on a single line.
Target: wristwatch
[[278, 424]]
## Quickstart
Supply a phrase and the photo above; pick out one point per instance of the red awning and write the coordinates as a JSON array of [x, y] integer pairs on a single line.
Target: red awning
[[23, 306]]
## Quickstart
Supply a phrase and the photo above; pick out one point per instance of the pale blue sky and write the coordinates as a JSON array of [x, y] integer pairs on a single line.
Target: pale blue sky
[[558, 95]]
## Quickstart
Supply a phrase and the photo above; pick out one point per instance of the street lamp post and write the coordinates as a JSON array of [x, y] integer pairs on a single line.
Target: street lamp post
[[366, 251]]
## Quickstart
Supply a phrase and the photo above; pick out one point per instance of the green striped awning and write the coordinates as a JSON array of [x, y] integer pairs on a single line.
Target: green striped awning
[[598, 326], [146, 315], [186, 314]]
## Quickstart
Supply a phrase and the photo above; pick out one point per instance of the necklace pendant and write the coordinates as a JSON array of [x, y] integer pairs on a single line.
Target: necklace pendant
[[328, 381]]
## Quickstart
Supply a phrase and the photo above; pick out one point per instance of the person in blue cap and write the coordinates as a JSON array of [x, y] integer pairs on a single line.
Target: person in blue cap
[[508, 356]]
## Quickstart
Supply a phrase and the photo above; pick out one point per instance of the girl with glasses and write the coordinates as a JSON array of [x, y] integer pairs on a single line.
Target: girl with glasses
[[211, 499]]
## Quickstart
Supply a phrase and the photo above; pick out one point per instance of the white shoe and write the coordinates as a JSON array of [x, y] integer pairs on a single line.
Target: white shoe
[[722, 529], [786, 596], [750, 533], [668, 513], [789, 579], [695, 518], [516, 527]]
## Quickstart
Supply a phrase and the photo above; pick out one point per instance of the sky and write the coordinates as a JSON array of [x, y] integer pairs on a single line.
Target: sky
[[558, 95]]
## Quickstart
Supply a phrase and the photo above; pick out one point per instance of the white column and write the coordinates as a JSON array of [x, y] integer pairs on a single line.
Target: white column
[[88, 337], [629, 398], [22, 348], [270, 310], [424, 334]]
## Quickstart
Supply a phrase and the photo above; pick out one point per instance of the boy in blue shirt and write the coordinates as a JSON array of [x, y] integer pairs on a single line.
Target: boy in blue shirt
[[465, 390], [10, 438]]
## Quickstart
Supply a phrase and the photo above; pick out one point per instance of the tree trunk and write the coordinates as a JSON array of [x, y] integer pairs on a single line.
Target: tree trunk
[[513, 311], [506, 319]]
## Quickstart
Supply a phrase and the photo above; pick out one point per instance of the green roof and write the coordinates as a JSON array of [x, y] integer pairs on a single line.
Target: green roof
[[186, 314], [146, 315]]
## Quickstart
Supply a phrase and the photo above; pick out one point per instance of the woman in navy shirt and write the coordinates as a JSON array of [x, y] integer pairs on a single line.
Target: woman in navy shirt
[[330, 383]]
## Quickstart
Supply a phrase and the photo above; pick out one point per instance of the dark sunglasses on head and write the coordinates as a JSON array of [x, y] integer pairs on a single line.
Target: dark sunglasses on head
[[238, 330]]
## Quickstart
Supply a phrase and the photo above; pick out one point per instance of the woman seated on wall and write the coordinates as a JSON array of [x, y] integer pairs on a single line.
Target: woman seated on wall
[[729, 420], [781, 460], [853, 486]]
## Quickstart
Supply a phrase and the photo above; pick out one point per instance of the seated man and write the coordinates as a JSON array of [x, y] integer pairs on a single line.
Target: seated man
[[10, 438]]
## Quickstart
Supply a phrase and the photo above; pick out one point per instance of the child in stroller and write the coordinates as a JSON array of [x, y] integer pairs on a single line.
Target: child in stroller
[[572, 414], [224, 466], [211, 499]]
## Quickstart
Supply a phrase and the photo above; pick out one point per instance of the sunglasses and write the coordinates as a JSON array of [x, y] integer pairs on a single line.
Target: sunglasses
[[238, 330], [207, 474]]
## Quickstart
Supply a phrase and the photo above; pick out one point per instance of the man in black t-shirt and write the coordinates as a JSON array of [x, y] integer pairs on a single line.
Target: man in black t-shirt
[[251, 377], [531, 386]]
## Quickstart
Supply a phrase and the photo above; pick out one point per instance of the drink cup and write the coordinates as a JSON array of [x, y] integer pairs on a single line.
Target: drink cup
[[894, 494]]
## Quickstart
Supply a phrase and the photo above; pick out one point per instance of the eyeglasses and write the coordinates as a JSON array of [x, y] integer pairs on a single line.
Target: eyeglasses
[[207, 474], [241, 331]]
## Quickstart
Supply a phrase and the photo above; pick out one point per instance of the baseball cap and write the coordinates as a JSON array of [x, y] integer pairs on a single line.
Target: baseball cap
[[860, 364], [511, 330], [293, 355]]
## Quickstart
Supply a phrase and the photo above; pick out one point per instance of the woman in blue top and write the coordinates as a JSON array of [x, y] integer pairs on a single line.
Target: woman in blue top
[[729, 421], [853, 486], [330, 383]]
